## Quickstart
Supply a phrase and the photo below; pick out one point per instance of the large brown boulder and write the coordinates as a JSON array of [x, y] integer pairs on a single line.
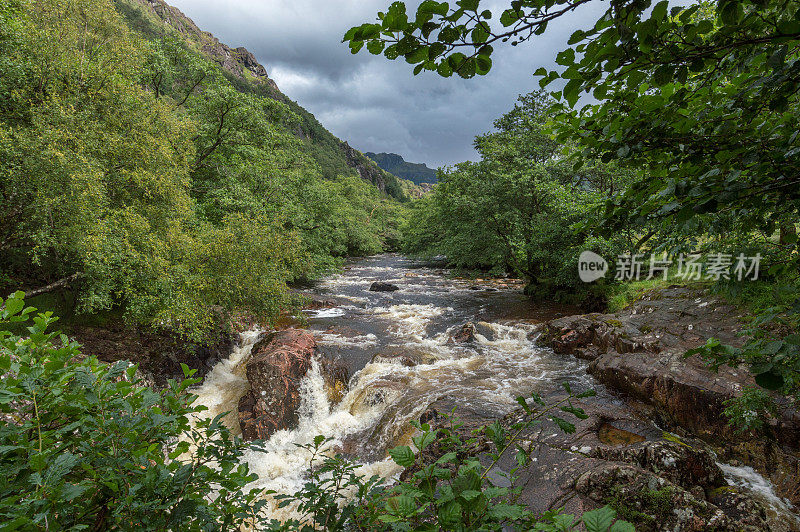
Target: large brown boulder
[[277, 366], [380, 286]]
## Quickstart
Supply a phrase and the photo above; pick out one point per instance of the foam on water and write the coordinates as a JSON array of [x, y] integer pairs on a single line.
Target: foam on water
[[280, 464], [416, 323], [337, 340], [410, 321], [383, 397], [226, 383], [334, 312], [751, 481]]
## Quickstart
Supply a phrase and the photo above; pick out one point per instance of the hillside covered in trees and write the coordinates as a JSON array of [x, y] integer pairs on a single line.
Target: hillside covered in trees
[[150, 168]]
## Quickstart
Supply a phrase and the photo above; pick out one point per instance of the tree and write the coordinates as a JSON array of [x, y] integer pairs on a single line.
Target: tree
[[677, 91], [703, 98], [513, 210], [99, 184]]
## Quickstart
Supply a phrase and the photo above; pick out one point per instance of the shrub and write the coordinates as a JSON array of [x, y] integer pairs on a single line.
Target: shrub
[[84, 445]]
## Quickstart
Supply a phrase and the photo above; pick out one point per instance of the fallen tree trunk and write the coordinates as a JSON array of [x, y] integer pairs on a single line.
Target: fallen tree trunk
[[61, 283]]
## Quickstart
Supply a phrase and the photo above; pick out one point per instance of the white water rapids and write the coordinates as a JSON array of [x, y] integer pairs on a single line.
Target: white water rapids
[[416, 323]]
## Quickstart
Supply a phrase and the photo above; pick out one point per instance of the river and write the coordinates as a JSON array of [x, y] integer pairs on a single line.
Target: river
[[398, 348]]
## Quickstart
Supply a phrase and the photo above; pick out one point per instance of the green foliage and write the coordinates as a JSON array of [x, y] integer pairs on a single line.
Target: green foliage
[[86, 445], [772, 354], [513, 210], [154, 182], [677, 89]]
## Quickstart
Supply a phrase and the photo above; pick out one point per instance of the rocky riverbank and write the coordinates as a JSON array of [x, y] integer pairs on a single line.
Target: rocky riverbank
[[668, 480], [655, 444]]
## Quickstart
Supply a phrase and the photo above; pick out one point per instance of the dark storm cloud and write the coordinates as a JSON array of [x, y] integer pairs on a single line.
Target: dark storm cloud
[[376, 104]]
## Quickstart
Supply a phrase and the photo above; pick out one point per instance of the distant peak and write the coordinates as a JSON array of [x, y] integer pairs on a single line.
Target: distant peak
[[395, 164]]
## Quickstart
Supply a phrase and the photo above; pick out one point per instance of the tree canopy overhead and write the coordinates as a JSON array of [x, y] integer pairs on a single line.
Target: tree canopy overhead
[[704, 97]]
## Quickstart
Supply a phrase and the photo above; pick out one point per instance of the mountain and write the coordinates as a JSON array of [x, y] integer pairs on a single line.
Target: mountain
[[395, 164], [156, 19]]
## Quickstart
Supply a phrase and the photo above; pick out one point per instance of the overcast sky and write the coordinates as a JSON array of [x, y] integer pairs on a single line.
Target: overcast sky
[[376, 104]]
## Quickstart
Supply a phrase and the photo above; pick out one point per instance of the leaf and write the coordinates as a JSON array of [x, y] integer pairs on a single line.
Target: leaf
[[72, 491], [403, 456], [450, 515], [599, 520], [447, 458], [401, 505], [509, 17], [524, 404], [424, 439], [483, 64], [508, 512], [663, 75], [622, 526], [577, 412], [571, 91], [660, 10], [566, 58], [564, 425], [376, 47], [14, 304]]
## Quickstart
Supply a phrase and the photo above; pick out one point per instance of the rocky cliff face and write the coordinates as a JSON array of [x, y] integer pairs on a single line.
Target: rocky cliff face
[[366, 168], [238, 61], [418, 173]]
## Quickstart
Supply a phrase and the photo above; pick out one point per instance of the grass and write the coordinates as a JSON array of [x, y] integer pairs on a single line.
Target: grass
[[623, 295], [757, 296], [645, 508]]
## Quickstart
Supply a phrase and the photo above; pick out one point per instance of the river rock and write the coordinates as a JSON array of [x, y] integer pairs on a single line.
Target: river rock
[[317, 302], [640, 353], [465, 334], [380, 286], [654, 503], [393, 358], [275, 370]]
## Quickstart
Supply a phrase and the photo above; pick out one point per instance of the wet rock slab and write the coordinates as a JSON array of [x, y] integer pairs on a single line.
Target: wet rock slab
[[654, 479], [639, 353]]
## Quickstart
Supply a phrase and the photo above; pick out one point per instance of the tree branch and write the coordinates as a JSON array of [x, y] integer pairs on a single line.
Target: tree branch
[[61, 283]]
